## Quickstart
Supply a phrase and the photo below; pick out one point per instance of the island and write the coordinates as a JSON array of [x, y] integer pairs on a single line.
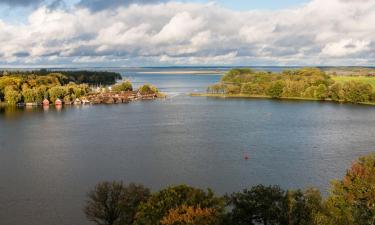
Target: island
[[42, 87], [311, 84]]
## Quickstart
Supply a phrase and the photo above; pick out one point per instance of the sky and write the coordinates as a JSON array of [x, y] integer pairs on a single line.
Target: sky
[[73, 33]]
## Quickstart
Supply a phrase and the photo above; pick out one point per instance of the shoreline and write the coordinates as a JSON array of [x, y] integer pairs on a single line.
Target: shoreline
[[193, 72], [269, 97]]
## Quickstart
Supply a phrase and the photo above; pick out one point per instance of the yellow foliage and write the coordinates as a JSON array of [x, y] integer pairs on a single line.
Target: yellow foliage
[[189, 215]]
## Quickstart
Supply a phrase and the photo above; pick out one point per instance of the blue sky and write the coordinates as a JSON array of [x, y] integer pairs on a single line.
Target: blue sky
[[19, 13], [169, 32]]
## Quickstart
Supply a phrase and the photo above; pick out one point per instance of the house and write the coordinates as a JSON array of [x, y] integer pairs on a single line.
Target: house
[[45, 102], [58, 102]]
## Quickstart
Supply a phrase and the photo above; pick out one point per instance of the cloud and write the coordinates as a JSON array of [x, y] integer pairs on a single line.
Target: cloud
[[335, 32], [20, 2], [96, 5]]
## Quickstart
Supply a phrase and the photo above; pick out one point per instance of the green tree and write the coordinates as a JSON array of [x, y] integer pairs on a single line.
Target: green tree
[[159, 204], [356, 92], [113, 203], [321, 92], [124, 86], [336, 92], [252, 88], [259, 205], [303, 207], [148, 89], [276, 89]]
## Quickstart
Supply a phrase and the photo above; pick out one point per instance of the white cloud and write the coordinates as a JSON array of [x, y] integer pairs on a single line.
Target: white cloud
[[320, 32], [345, 48]]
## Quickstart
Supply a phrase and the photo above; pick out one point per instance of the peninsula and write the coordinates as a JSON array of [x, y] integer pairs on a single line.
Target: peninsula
[[310, 84]]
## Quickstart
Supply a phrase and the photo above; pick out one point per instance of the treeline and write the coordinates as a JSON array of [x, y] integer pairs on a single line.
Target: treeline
[[351, 202], [34, 88], [309, 83], [78, 77]]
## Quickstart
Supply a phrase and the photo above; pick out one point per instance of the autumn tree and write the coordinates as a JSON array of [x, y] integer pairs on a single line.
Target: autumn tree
[[191, 215], [11, 95], [352, 199], [160, 204]]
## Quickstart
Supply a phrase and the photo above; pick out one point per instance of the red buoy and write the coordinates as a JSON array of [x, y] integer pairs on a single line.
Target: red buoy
[[246, 156]]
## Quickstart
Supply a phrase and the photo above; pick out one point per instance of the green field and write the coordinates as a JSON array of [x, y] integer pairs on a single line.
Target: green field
[[370, 80]]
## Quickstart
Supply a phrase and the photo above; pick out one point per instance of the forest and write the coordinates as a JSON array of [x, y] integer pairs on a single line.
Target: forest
[[305, 83], [34, 86], [350, 201]]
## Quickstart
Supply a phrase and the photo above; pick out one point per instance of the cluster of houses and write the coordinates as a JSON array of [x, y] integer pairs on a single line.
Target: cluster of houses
[[103, 98]]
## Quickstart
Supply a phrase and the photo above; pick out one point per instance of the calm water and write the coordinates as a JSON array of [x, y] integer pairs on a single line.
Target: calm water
[[50, 158]]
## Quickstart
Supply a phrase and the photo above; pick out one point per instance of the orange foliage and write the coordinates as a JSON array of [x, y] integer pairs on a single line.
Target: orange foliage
[[189, 215]]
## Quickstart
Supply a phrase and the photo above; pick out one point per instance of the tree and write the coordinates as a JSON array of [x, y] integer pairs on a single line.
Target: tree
[[160, 204], [124, 86], [112, 203], [352, 199], [252, 89], [232, 89], [29, 95], [276, 89], [216, 88], [148, 89], [293, 88], [57, 92], [336, 92], [310, 92], [11, 95], [259, 205], [303, 206], [321, 92], [189, 215], [356, 92]]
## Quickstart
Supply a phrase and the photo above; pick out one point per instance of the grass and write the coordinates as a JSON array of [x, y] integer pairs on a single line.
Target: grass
[[342, 79]]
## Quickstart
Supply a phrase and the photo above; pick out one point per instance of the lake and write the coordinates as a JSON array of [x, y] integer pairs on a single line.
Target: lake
[[50, 159]]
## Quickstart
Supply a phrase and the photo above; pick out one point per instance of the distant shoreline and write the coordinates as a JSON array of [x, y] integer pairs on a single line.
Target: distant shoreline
[[195, 72], [269, 97]]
